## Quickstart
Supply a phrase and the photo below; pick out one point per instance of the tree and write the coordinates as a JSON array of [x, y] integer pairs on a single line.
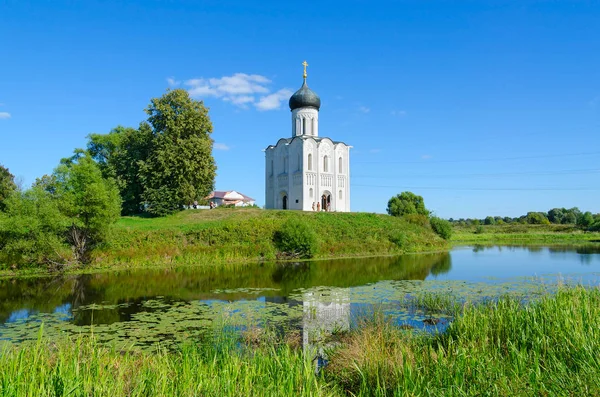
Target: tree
[[7, 185], [441, 227], [32, 229], [489, 220], [585, 220], [119, 155], [91, 202], [180, 167], [406, 203], [537, 218]]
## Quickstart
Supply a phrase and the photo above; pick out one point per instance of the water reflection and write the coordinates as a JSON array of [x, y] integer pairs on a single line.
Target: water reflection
[[153, 305]]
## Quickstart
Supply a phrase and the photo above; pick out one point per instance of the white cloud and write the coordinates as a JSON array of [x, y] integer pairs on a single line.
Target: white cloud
[[239, 89], [364, 109], [273, 101], [4, 115], [220, 146], [374, 150], [172, 82], [399, 113]]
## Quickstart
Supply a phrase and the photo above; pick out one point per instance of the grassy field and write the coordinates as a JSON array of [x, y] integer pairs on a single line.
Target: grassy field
[[247, 235], [498, 348], [522, 234]]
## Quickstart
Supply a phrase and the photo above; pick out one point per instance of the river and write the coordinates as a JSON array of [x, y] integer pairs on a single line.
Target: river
[[144, 306]]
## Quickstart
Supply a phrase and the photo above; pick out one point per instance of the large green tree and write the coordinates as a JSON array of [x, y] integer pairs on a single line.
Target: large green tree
[[7, 185], [119, 155], [180, 167], [406, 203]]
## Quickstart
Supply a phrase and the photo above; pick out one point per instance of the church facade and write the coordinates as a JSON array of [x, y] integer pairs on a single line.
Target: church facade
[[306, 171]]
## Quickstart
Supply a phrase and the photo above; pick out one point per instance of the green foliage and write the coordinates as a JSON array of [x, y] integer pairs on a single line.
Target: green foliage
[[406, 203], [75, 205], [296, 239], [489, 220], [441, 227], [585, 220], [417, 219], [537, 218], [479, 229], [119, 155], [180, 167], [32, 229], [7, 185]]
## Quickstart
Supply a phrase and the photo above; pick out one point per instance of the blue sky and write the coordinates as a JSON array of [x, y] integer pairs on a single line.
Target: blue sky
[[483, 108]]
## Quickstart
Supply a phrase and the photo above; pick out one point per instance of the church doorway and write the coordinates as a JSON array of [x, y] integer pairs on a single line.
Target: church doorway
[[284, 202], [326, 201]]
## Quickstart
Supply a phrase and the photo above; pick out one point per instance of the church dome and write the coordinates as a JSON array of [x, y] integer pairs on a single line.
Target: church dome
[[305, 97]]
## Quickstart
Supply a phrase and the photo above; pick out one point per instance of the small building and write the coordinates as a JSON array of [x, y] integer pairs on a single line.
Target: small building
[[230, 197], [306, 171]]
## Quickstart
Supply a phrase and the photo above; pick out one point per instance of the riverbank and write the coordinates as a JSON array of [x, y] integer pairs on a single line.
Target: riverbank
[[498, 348], [512, 234], [226, 236]]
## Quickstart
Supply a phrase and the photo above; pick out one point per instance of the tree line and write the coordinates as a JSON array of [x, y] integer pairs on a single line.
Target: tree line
[[557, 216], [154, 169]]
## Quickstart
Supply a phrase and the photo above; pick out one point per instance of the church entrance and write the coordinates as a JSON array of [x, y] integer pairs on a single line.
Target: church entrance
[[326, 201], [284, 202]]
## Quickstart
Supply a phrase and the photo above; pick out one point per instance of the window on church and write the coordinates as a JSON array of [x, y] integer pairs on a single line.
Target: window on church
[[340, 194], [340, 165], [310, 162], [303, 126], [271, 167], [310, 192], [325, 164], [312, 127], [285, 164]]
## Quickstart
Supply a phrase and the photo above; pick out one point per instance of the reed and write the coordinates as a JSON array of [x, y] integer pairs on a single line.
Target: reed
[[500, 347]]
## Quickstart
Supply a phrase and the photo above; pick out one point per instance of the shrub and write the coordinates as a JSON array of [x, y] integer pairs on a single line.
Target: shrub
[[478, 229], [296, 239], [417, 219], [398, 238], [441, 227]]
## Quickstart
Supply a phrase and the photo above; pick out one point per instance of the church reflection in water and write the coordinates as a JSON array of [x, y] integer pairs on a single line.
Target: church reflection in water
[[317, 298]]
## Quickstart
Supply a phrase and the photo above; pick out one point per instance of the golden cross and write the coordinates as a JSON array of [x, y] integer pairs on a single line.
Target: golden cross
[[305, 65]]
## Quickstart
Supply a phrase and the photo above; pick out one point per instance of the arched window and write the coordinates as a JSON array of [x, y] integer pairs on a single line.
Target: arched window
[[310, 192], [310, 161], [285, 164], [340, 194], [312, 127], [271, 167], [340, 165], [303, 126], [325, 164]]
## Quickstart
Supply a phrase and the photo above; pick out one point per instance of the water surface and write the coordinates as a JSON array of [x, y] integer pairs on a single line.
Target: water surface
[[145, 306]]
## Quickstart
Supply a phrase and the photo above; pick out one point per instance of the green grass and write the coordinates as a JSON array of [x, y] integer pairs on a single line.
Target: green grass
[[247, 235], [499, 348], [522, 234]]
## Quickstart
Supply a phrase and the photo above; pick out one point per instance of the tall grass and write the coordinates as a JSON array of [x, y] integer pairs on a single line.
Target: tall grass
[[499, 348], [502, 348], [84, 368]]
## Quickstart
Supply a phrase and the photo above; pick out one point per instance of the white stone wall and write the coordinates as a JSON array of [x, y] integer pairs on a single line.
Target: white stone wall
[[305, 121], [288, 172]]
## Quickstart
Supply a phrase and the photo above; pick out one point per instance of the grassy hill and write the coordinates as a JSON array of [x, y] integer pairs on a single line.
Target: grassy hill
[[227, 235]]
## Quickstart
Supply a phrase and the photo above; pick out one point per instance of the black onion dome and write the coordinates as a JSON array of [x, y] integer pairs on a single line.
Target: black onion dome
[[305, 97]]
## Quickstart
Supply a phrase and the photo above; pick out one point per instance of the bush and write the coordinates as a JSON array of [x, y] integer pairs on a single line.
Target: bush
[[417, 219], [398, 238], [441, 227], [478, 229], [296, 239]]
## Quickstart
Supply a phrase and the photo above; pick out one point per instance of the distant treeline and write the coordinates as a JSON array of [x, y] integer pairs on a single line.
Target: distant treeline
[[557, 216]]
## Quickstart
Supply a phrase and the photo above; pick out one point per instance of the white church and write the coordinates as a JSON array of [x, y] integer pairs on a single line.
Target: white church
[[307, 172]]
